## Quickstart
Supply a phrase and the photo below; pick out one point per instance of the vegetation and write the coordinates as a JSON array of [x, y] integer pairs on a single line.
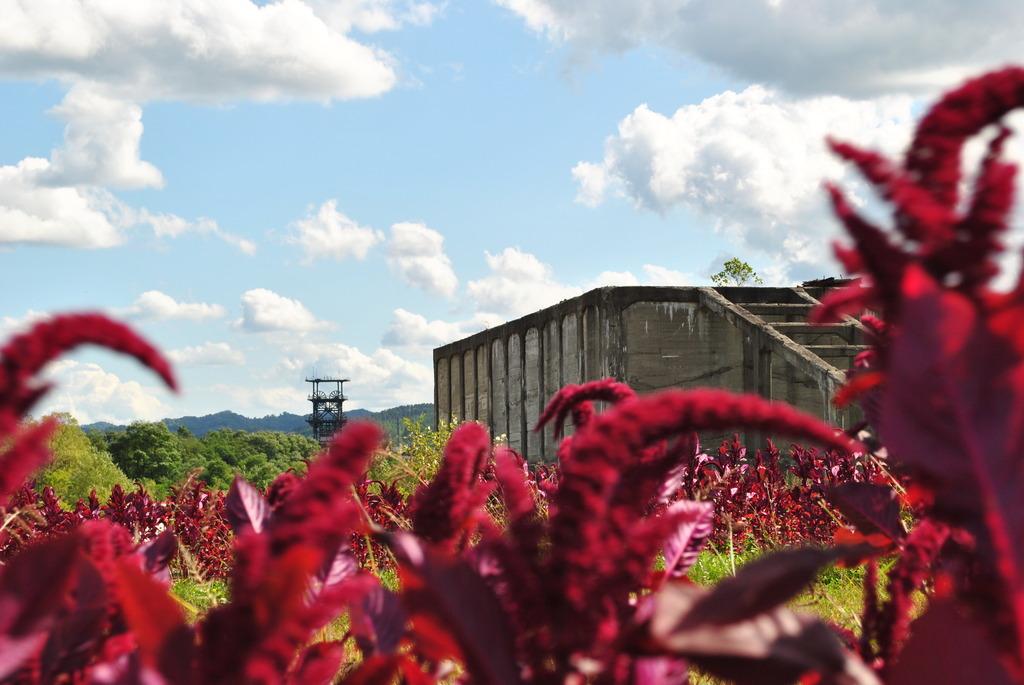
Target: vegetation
[[511, 574], [736, 272], [78, 466]]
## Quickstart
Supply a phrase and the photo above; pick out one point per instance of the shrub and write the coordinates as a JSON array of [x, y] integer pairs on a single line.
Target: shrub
[[492, 590]]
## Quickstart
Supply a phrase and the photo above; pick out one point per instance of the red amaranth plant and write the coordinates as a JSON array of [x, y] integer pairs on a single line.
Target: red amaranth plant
[[554, 586], [944, 387]]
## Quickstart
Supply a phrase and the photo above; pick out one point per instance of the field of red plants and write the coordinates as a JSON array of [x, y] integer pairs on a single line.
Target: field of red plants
[[512, 574]]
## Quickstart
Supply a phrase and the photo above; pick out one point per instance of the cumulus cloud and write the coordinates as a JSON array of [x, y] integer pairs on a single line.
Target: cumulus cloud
[[91, 394], [34, 211], [101, 143], [374, 15], [859, 48], [379, 380], [199, 50], [416, 253], [10, 325], [329, 234], [614, 278], [752, 162], [653, 275], [414, 336], [116, 57], [207, 354], [659, 275], [519, 283], [158, 306], [264, 311]]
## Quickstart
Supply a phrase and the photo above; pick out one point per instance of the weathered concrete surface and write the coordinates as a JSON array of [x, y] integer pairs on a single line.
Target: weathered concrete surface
[[741, 339]]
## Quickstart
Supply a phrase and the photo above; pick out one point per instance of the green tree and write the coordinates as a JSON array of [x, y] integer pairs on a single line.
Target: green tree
[[736, 272], [78, 466], [148, 451], [416, 459]]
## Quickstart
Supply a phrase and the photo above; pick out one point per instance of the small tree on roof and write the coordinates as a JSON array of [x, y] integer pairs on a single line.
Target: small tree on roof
[[736, 272]]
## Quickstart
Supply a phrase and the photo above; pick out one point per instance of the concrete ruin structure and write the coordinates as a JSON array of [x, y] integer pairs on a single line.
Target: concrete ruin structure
[[744, 339]]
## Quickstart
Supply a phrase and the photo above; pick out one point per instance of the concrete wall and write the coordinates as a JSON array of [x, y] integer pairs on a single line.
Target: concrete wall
[[649, 337]]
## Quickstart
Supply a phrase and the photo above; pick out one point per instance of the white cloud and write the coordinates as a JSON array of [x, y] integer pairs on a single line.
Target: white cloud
[[654, 275], [208, 354], [264, 310], [10, 325], [199, 50], [613, 278], [173, 226], [860, 48], [91, 394], [34, 213], [329, 234], [752, 161], [416, 337], [659, 275], [159, 306], [416, 253], [374, 15], [377, 381], [101, 143], [519, 283], [114, 56]]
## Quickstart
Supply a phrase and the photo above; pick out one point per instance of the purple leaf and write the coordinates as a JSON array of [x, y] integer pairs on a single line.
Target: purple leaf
[[661, 670], [696, 522], [76, 632], [33, 586], [246, 508], [158, 553], [338, 567], [448, 591], [946, 648], [871, 508], [774, 647], [954, 412], [760, 586], [378, 622]]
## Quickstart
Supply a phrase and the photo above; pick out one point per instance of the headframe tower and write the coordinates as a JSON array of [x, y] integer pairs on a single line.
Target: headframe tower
[[328, 417]]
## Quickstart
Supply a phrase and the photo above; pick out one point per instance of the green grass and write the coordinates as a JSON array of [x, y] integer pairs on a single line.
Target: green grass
[[196, 598], [836, 595]]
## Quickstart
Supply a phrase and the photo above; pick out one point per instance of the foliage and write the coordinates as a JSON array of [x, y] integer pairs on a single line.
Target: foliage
[[78, 466], [736, 272], [415, 459], [192, 512], [153, 454], [761, 503], [510, 576]]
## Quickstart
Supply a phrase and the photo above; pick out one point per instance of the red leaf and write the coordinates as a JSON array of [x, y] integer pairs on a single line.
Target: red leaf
[[245, 507], [946, 648], [458, 603], [154, 617], [33, 586], [696, 522], [773, 647], [760, 586], [871, 508], [954, 412]]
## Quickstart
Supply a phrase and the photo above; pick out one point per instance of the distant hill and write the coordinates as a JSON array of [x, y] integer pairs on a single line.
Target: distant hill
[[389, 419]]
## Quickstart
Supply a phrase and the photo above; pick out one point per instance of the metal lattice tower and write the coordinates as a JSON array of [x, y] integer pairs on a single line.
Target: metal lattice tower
[[327, 417]]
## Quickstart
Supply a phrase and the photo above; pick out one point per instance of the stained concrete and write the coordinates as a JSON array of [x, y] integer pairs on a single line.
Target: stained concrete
[[740, 338]]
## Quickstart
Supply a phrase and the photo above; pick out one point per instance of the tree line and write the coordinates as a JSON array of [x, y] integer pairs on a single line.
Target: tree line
[[159, 458]]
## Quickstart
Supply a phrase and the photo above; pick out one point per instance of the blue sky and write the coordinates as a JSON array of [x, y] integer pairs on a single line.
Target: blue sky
[[342, 185]]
